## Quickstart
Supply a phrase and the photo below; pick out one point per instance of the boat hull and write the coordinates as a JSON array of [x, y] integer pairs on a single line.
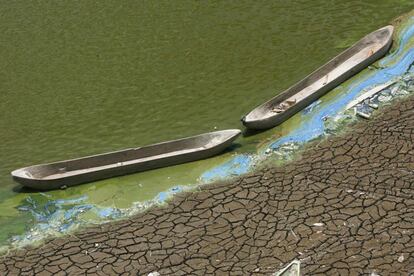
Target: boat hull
[[259, 118], [125, 167]]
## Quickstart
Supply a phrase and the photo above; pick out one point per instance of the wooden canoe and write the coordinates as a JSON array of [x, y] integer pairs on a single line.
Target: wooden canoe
[[91, 168], [348, 63]]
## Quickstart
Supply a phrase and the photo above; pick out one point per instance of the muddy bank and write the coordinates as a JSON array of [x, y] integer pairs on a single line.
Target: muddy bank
[[346, 206]]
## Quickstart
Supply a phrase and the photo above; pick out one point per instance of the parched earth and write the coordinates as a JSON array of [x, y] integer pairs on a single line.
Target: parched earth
[[346, 207]]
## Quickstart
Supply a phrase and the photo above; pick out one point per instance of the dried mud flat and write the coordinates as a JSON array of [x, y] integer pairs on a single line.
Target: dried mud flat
[[345, 207]]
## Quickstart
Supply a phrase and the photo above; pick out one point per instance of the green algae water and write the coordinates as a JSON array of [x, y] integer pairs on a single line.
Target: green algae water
[[81, 78]]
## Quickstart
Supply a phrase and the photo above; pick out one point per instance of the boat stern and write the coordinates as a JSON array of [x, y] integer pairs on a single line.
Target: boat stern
[[21, 173], [220, 140], [29, 177], [231, 134], [384, 37], [24, 177], [259, 120]]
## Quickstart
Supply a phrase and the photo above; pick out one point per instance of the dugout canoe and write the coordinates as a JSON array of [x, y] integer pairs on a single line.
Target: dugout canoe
[[362, 54], [96, 167]]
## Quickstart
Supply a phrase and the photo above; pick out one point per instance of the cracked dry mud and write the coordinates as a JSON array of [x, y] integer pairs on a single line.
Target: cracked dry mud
[[345, 207]]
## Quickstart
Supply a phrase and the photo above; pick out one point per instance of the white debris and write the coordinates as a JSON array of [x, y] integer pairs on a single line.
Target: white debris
[[293, 233], [384, 98], [373, 105], [401, 258], [363, 115], [318, 224], [155, 273], [292, 269]]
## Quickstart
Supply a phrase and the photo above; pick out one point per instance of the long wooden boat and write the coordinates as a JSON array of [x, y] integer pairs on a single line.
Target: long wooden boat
[[348, 63], [91, 168]]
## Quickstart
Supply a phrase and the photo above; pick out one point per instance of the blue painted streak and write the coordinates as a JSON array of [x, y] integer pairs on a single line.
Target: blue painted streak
[[238, 165], [63, 215], [163, 196], [405, 37]]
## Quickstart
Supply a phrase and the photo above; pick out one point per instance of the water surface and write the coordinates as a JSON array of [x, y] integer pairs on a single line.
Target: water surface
[[80, 78]]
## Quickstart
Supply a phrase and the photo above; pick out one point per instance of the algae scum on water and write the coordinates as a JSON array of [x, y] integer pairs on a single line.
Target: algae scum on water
[[80, 79]]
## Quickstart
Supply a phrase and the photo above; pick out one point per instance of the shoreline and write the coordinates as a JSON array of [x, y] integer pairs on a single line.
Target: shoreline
[[117, 198], [343, 206]]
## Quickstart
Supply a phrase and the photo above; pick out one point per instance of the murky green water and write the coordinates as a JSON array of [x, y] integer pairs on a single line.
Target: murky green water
[[80, 78]]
